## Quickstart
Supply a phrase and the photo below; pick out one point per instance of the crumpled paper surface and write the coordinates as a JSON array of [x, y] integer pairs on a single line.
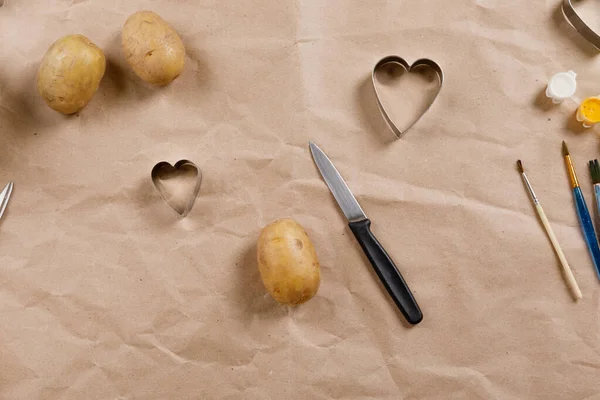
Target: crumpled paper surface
[[106, 294]]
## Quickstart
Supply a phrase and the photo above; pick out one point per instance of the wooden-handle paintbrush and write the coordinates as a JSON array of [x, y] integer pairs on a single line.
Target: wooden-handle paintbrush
[[567, 273], [585, 220]]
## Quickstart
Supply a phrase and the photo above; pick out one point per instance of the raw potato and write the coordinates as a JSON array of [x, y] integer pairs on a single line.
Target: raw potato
[[70, 73], [152, 48], [287, 261]]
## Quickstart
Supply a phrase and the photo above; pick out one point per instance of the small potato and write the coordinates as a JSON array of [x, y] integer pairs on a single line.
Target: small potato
[[287, 261], [152, 48], [70, 73]]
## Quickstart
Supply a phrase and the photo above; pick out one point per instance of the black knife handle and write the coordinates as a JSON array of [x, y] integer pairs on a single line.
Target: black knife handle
[[387, 271]]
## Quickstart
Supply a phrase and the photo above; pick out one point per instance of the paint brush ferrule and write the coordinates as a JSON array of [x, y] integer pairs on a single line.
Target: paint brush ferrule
[[597, 196], [572, 174], [530, 189]]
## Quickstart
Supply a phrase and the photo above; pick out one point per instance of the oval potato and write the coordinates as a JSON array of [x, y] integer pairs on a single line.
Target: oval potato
[[70, 73], [152, 48], [287, 261]]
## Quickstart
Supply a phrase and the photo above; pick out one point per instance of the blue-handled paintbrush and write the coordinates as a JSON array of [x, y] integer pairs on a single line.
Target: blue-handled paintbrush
[[585, 220], [595, 173]]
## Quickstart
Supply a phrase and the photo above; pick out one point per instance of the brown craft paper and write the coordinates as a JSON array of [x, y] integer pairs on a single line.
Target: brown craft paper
[[106, 294]]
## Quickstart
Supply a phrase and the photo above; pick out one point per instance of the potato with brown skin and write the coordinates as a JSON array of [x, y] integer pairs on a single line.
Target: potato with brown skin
[[70, 73], [288, 263], [153, 48]]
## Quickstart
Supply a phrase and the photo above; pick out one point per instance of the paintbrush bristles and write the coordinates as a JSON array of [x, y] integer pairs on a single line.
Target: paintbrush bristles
[[570, 166], [520, 166], [595, 171], [565, 149]]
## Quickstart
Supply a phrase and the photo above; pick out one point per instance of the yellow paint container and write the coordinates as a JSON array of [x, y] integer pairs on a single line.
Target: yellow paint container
[[588, 112]]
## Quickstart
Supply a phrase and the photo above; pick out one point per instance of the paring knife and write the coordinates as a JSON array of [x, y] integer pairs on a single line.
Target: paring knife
[[361, 227]]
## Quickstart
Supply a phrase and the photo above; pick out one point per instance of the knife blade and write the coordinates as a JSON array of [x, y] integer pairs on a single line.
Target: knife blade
[[361, 228]]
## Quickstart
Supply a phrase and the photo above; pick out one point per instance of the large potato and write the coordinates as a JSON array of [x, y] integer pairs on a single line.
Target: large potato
[[152, 48], [287, 261], [70, 73]]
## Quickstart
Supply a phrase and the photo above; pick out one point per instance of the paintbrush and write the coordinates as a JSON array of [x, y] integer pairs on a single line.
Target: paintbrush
[[585, 220], [567, 273], [595, 173]]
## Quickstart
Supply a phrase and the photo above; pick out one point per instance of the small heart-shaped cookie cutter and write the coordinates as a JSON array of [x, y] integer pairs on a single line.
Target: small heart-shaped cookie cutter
[[579, 25], [420, 63], [164, 167]]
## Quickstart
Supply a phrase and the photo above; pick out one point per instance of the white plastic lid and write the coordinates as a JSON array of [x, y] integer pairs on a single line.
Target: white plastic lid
[[562, 86]]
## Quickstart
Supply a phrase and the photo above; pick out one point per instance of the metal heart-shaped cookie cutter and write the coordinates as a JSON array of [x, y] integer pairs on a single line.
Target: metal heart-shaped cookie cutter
[[421, 63], [162, 169], [580, 26]]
